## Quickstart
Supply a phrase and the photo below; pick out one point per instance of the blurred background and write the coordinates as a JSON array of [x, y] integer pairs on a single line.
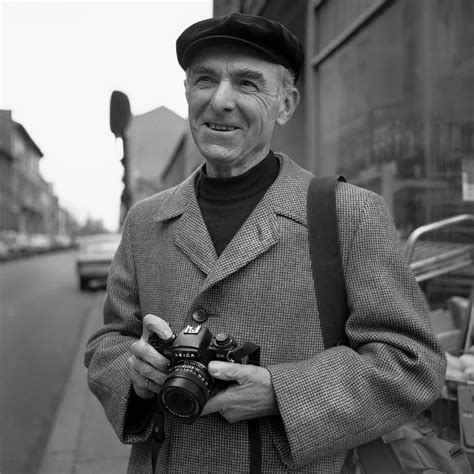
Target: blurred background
[[93, 118]]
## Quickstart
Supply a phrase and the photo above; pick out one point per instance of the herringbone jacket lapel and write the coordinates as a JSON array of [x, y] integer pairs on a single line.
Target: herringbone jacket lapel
[[189, 233], [258, 234]]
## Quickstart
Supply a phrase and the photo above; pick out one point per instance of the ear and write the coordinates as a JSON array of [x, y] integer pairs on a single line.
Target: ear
[[288, 106], [185, 83]]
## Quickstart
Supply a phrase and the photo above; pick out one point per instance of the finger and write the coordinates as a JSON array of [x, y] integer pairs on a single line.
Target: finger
[[145, 384], [137, 379], [228, 371], [148, 371], [145, 352], [142, 388], [155, 325], [215, 404]]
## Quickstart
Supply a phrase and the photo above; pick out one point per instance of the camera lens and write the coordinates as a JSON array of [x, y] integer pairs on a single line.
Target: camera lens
[[186, 390]]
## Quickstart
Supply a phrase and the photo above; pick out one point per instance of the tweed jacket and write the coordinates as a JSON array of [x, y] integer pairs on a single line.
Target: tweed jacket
[[261, 289]]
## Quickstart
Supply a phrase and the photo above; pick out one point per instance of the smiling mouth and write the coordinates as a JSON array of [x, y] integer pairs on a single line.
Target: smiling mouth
[[220, 128]]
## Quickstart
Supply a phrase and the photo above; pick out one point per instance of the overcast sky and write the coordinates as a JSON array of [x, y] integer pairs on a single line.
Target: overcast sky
[[60, 62]]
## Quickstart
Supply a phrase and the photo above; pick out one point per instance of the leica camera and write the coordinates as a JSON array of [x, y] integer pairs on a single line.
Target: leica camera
[[189, 385]]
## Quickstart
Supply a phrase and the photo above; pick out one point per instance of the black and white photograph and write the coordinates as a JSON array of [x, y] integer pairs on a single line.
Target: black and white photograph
[[236, 236]]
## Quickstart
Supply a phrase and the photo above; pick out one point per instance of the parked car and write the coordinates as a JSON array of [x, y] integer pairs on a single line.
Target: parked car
[[94, 256], [4, 251], [39, 243]]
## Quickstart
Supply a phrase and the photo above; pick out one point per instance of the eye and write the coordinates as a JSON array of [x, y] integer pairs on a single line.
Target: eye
[[204, 80], [246, 84]]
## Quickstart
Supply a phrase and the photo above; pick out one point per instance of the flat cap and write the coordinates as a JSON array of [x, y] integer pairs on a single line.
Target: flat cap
[[267, 36]]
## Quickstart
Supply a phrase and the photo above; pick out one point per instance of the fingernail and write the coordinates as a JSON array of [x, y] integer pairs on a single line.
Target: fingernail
[[212, 368]]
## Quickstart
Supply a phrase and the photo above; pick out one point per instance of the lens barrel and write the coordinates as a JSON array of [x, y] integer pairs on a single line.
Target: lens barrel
[[186, 390]]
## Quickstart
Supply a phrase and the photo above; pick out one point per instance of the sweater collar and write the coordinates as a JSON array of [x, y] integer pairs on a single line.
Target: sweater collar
[[253, 181], [287, 194]]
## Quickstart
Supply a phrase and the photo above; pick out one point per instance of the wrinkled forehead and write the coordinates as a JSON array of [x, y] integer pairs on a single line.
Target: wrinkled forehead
[[233, 56]]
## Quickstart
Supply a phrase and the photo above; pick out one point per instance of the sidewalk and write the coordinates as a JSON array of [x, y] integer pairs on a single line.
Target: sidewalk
[[82, 440]]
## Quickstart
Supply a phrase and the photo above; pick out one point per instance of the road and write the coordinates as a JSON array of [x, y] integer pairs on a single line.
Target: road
[[42, 315]]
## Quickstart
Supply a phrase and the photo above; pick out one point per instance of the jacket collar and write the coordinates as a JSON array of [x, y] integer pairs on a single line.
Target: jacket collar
[[260, 232], [284, 195]]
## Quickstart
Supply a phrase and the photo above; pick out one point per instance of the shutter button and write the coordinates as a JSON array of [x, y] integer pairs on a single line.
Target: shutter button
[[200, 315]]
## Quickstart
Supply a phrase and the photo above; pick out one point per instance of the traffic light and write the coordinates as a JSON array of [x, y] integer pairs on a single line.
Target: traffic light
[[120, 115]]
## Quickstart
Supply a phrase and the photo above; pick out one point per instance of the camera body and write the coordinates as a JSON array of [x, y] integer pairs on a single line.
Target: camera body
[[195, 343], [189, 385]]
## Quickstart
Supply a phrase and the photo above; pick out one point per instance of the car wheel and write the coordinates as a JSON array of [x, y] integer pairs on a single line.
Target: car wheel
[[83, 284]]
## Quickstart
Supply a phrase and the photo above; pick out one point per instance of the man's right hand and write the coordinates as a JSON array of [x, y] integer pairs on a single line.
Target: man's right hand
[[148, 369]]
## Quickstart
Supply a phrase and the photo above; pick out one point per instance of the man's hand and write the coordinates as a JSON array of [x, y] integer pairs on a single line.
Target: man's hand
[[148, 369], [251, 397]]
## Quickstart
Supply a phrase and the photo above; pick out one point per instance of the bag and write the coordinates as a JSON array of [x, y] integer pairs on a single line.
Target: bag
[[408, 454], [403, 451]]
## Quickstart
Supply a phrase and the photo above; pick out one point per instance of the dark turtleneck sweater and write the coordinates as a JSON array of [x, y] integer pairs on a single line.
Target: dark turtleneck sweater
[[226, 203]]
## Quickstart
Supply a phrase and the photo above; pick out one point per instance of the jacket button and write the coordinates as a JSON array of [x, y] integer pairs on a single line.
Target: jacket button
[[200, 315]]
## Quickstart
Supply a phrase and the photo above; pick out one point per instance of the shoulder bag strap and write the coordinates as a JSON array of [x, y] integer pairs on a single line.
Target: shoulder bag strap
[[330, 288], [326, 260]]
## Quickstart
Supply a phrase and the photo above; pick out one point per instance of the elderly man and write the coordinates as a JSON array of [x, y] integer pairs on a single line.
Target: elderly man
[[227, 251]]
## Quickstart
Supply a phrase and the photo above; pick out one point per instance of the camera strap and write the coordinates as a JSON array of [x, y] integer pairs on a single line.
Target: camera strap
[[252, 351], [158, 433], [246, 349]]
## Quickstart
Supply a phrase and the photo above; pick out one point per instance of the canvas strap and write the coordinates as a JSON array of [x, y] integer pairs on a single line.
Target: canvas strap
[[326, 260], [330, 288], [255, 443], [158, 435], [252, 352]]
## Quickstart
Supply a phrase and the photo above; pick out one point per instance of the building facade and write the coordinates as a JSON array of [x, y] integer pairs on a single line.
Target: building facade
[[387, 101], [387, 98], [30, 213], [160, 152]]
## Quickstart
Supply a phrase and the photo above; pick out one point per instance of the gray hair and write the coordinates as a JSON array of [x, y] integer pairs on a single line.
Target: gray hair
[[287, 80]]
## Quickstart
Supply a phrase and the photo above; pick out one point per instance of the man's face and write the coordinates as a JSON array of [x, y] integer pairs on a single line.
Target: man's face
[[233, 102]]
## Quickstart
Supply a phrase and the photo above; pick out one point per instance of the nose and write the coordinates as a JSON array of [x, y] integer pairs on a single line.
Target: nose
[[223, 97]]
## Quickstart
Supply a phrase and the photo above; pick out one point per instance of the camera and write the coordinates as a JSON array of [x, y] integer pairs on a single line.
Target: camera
[[189, 385]]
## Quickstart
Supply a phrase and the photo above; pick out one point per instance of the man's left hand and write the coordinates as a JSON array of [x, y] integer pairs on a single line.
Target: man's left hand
[[251, 397]]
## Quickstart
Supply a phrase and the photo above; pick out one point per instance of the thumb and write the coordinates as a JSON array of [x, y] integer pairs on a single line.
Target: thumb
[[225, 370], [155, 325]]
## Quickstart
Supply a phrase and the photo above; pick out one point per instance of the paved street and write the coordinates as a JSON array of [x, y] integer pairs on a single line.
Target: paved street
[[42, 317]]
